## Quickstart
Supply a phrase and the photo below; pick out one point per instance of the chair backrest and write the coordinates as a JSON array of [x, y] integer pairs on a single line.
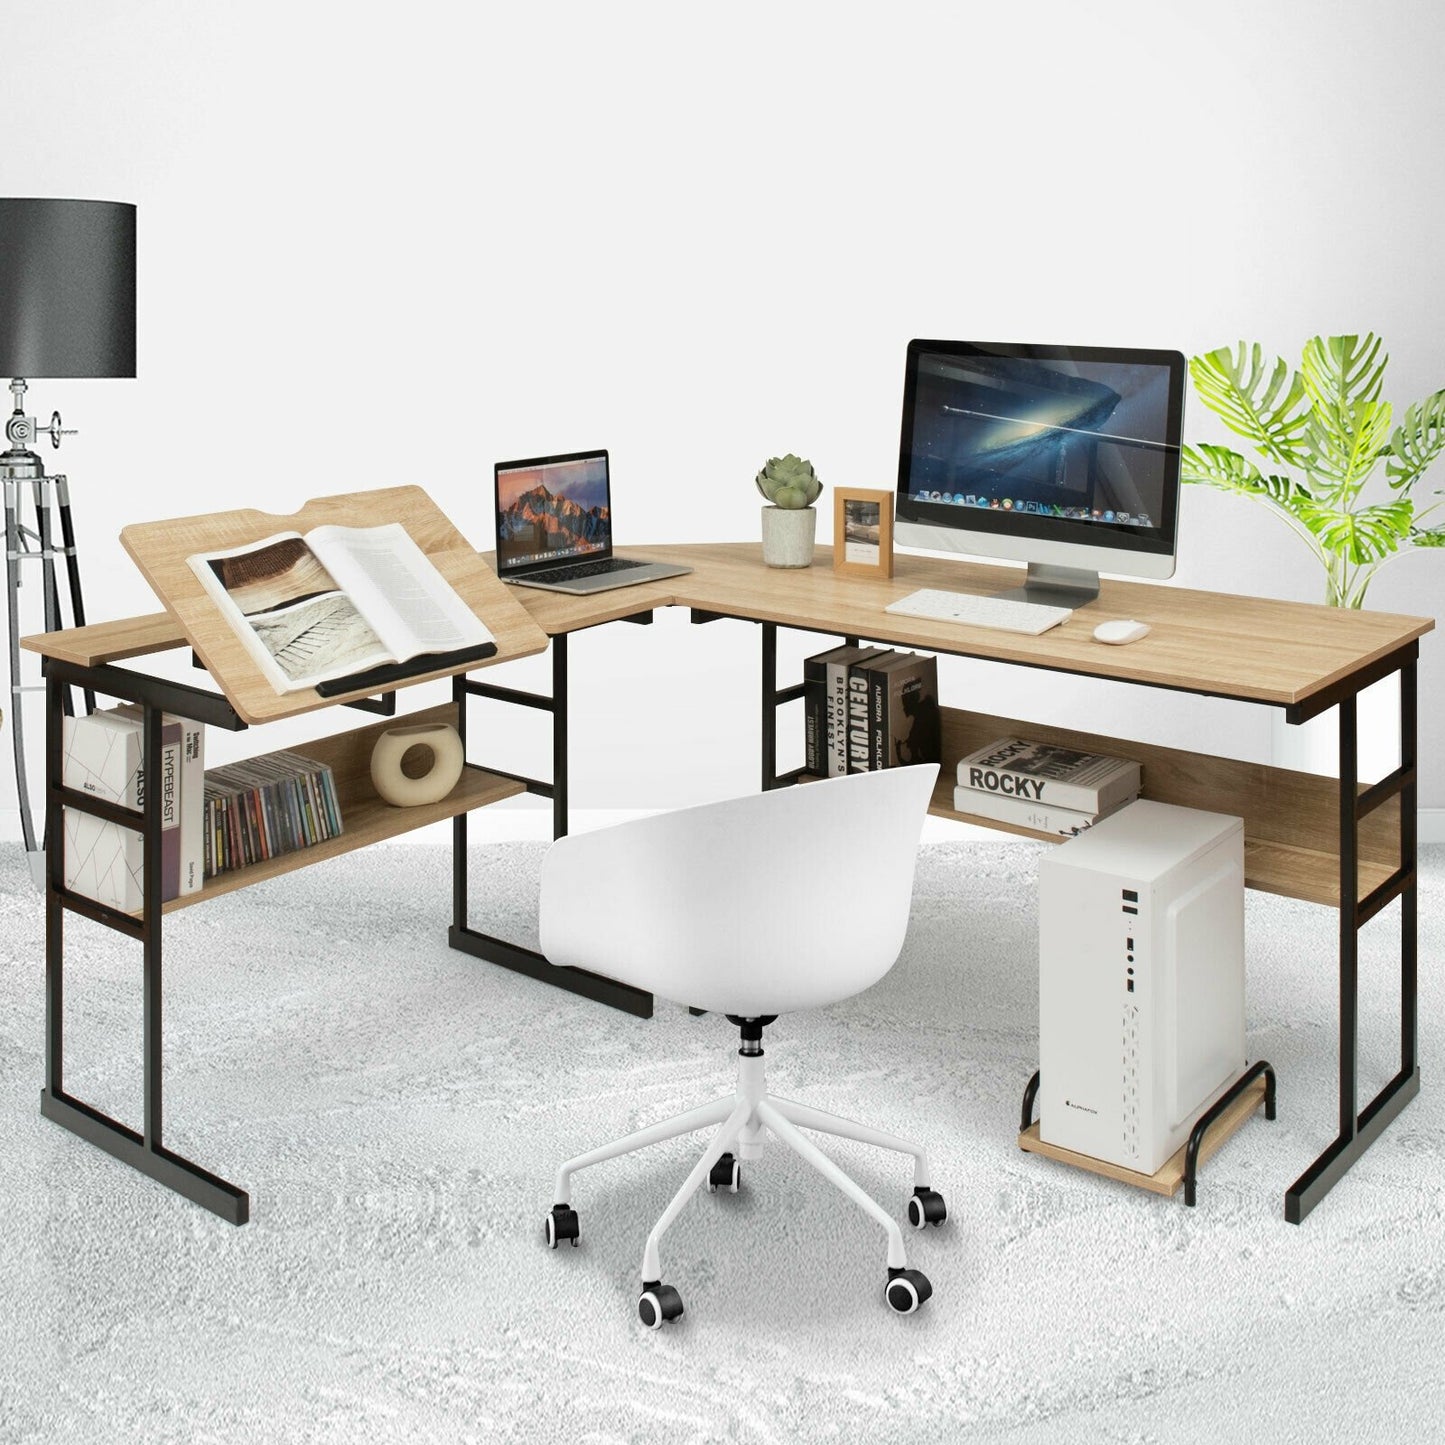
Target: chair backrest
[[785, 900]]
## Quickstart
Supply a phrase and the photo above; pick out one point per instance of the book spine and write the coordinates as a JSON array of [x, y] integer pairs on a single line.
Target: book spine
[[857, 720], [1043, 818], [333, 802], [221, 843], [235, 832], [815, 715], [193, 806], [837, 718], [169, 793], [877, 719], [321, 814], [291, 806], [320, 819], [264, 846]]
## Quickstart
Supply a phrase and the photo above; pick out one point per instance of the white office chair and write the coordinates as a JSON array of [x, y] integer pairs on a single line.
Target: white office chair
[[749, 908]]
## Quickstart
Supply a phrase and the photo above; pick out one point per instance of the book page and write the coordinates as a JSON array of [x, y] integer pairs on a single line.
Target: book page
[[412, 606], [287, 607]]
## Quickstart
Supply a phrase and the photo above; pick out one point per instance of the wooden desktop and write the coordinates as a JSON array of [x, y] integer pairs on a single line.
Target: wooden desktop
[[1326, 840]]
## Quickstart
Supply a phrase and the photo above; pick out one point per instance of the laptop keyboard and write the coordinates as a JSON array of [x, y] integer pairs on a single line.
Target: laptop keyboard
[[589, 569]]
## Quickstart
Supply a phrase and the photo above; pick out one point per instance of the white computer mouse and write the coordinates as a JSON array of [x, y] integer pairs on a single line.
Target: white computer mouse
[[1121, 629]]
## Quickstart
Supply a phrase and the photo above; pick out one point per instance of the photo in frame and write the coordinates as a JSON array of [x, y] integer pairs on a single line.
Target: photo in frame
[[862, 532]]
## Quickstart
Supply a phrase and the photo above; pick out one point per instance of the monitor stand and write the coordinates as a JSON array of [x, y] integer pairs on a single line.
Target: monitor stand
[[1053, 586]]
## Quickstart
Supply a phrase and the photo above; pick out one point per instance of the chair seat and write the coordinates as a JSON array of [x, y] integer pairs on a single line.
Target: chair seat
[[785, 900]]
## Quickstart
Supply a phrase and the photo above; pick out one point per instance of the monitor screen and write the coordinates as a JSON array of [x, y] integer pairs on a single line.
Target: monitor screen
[[1068, 444], [551, 509]]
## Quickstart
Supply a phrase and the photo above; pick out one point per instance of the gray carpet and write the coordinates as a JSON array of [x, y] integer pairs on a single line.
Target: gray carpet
[[398, 1111]]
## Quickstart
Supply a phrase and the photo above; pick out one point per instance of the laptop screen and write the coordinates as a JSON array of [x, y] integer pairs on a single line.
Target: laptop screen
[[552, 509]]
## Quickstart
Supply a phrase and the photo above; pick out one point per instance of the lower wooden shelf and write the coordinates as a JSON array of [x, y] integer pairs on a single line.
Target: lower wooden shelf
[[1170, 1177], [1279, 807], [366, 818]]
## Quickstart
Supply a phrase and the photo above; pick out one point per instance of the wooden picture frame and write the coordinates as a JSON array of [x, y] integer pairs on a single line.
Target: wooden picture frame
[[869, 513]]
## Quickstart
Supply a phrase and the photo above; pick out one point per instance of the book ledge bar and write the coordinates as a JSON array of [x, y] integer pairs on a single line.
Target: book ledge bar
[[379, 679]]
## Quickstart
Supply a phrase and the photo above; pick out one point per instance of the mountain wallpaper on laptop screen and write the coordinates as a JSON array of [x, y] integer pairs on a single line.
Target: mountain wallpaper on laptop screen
[[551, 523]]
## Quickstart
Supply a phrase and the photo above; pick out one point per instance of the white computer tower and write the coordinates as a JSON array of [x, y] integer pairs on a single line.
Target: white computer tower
[[1141, 981]]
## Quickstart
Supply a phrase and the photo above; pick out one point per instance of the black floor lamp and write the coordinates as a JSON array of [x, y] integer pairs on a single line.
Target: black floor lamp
[[67, 309]]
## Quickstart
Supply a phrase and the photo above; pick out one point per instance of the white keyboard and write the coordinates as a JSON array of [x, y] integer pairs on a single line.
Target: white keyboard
[[1001, 613]]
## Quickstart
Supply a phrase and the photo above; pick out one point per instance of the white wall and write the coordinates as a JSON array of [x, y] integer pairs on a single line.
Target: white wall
[[385, 244]]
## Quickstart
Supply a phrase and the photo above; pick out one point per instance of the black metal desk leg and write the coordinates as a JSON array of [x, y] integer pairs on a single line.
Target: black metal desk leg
[[54, 909], [462, 936], [772, 698], [1359, 1128], [1409, 859], [151, 944], [1349, 923], [559, 736], [769, 708], [143, 1151]]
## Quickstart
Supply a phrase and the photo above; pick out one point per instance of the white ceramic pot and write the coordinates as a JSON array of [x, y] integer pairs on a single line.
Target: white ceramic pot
[[788, 534]]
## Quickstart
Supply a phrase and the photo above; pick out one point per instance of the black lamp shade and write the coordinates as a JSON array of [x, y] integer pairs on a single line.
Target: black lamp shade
[[67, 288]]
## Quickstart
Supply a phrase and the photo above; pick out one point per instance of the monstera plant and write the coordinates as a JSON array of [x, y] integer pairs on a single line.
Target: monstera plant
[[1329, 427]]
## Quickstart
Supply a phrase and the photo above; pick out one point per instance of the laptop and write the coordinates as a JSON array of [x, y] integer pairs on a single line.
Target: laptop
[[554, 527]]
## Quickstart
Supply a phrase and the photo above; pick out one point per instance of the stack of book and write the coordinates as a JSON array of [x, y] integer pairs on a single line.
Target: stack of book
[[866, 708], [104, 755], [1043, 786], [264, 807]]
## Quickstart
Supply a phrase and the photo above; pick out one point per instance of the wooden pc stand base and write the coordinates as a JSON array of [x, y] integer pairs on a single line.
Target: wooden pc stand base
[[1219, 1123]]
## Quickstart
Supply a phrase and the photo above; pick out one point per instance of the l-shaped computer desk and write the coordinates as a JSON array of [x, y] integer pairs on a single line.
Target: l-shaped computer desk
[[1335, 842]]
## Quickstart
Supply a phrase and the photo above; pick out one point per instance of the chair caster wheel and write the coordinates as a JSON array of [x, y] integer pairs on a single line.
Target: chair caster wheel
[[657, 1304], [926, 1207], [725, 1174], [906, 1290], [561, 1224]]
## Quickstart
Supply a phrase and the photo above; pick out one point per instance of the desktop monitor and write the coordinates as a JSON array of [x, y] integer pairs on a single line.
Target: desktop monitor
[[1063, 457]]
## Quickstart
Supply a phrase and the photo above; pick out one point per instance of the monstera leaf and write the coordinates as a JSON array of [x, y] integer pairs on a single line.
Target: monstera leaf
[[1348, 426], [1226, 469], [1254, 401], [1417, 441], [1346, 445], [1366, 534], [1341, 374]]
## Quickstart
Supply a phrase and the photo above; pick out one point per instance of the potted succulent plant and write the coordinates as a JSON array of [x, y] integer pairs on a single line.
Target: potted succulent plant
[[789, 522], [1328, 427]]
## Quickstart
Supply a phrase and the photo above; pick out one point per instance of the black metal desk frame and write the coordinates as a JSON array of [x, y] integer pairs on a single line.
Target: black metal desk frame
[[145, 1151]]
